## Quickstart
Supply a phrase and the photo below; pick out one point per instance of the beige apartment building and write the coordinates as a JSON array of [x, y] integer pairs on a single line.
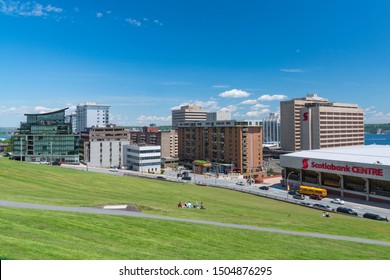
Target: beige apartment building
[[313, 123], [235, 144], [188, 114]]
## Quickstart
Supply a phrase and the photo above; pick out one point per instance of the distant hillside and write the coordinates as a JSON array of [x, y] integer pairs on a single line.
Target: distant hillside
[[373, 128], [7, 130]]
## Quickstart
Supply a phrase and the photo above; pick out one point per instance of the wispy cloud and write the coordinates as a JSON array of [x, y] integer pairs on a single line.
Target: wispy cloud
[[21, 110], [256, 114], [259, 106], [99, 15], [158, 22], [134, 22], [249, 102], [267, 97], [221, 86], [229, 108], [210, 105], [144, 118], [29, 9], [292, 70], [234, 93]]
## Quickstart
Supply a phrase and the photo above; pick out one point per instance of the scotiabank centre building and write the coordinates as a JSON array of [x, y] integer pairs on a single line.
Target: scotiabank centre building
[[361, 172]]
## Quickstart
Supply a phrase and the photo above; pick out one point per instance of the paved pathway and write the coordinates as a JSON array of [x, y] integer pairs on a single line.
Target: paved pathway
[[6, 203]]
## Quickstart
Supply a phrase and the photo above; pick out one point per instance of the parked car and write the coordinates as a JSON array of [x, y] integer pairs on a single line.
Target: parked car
[[187, 178], [114, 169], [292, 192], [346, 211], [299, 196], [240, 183], [266, 188], [308, 204], [374, 217], [315, 196], [161, 178], [337, 201], [323, 207], [179, 175]]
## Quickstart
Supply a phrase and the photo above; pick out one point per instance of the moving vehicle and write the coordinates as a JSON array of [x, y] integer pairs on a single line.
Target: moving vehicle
[[374, 217], [337, 201], [266, 188], [312, 190], [187, 178], [315, 196], [240, 183], [308, 204], [161, 178], [299, 196], [292, 192], [114, 169], [346, 211]]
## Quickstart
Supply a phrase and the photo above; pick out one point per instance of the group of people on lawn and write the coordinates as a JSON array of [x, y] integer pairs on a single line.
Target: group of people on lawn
[[188, 204]]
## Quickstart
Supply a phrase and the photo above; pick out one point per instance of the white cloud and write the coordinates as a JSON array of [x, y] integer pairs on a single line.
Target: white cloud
[[267, 97], [210, 105], [133, 22], [144, 118], [158, 22], [249, 102], [259, 106], [99, 15], [230, 108], [234, 93], [256, 114], [292, 70], [29, 9], [221, 86]]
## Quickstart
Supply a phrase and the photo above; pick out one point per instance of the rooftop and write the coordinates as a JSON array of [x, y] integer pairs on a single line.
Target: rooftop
[[369, 154]]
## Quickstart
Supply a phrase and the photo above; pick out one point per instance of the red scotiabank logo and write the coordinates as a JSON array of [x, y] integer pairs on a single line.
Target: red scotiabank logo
[[305, 116], [305, 163]]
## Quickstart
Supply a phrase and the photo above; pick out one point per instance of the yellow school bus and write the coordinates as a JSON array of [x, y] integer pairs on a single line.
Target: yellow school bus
[[312, 190]]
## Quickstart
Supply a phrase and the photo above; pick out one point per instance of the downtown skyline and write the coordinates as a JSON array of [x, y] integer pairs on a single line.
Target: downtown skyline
[[145, 58]]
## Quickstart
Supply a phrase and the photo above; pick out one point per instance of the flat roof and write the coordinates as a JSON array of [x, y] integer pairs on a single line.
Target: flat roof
[[369, 154]]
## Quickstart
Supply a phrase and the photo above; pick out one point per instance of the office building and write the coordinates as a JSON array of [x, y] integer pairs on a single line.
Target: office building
[[145, 159], [232, 145], [91, 114], [271, 130], [218, 116], [188, 114], [103, 146], [312, 123], [46, 137]]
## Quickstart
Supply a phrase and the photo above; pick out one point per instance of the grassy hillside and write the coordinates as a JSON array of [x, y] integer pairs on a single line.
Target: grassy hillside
[[34, 234]]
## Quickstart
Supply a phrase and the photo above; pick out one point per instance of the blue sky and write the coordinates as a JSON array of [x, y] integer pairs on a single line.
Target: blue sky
[[146, 57]]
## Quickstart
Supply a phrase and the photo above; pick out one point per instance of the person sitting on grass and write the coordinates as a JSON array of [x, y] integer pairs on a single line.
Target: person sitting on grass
[[180, 205], [202, 205], [189, 205]]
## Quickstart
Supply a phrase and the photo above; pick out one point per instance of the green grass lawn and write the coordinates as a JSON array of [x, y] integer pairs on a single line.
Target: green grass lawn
[[52, 235]]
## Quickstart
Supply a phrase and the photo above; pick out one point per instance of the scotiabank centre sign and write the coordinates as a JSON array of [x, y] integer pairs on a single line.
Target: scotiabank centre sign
[[342, 168]]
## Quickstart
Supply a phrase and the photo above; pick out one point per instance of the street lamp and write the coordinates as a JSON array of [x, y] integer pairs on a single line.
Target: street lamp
[[292, 172]]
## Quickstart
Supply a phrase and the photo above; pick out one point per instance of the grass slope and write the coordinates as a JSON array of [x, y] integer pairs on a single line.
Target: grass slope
[[34, 234]]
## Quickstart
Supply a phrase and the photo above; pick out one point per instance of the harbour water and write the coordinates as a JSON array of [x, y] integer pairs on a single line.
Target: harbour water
[[378, 139]]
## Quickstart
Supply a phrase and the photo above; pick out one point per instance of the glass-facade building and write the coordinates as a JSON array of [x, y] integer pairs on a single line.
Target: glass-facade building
[[46, 137]]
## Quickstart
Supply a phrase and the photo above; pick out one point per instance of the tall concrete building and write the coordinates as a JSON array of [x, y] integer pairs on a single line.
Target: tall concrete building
[[218, 116], [271, 129], [91, 114], [169, 144], [103, 146], [237, 144], [313, 123], [188, 114]]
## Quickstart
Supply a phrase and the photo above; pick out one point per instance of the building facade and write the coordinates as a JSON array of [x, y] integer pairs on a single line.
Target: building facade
[[325, 125], [145, 159], [271, 130], [235, 143], [91, 114], [313, 122], [103, 146], [169, 144], [360, 172], [46, 137], [188, 114]]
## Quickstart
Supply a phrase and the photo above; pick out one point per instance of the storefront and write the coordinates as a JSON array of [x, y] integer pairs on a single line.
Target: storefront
[[361, 172]]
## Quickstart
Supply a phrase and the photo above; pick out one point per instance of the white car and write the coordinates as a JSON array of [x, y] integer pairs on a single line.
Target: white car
[[114, 169], [337, 201], [240, 183]]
